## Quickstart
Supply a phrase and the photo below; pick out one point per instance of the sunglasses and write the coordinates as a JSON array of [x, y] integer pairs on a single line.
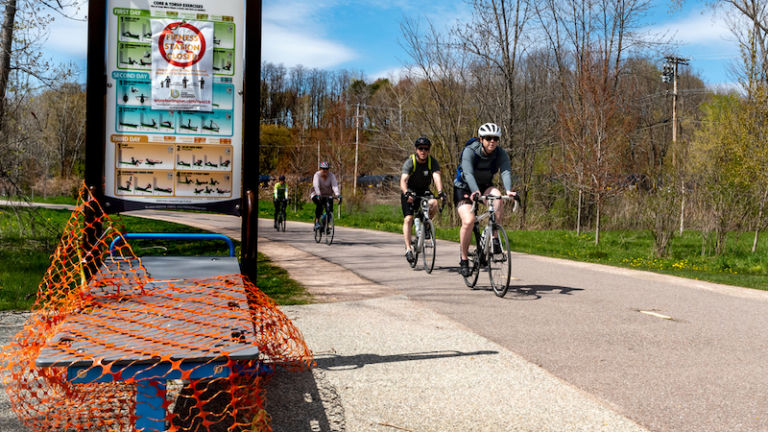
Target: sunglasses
[[422, 148], [491, 138]]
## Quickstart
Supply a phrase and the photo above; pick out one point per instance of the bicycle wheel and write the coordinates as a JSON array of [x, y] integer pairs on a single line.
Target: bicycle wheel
[[414, 245], [428, 246], [474, 262], [500, 263], [319, 232], [330, 228], [281, 219]]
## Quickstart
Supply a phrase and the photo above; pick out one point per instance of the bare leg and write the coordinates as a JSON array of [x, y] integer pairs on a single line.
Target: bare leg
[[407, 222], [465, 233]]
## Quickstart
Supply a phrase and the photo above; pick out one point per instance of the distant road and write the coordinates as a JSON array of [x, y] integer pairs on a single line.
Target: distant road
[[5, 202]]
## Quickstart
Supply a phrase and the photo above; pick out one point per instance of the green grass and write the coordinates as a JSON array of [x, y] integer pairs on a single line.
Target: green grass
[[621, 248], [28, 240]]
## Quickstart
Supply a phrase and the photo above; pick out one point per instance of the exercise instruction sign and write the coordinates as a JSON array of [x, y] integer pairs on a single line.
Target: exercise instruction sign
[[174, 103]]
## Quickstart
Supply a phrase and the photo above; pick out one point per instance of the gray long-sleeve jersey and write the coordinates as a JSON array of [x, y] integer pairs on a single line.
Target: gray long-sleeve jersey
[[477, 166]]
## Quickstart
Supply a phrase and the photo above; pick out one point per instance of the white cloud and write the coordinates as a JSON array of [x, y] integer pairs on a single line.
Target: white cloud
[[68, 38], [286, 46], [293, 33], [701, 27], [393, 74]]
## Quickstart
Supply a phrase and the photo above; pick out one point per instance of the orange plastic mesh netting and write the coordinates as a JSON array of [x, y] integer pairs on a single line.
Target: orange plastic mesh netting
[[107, 348]]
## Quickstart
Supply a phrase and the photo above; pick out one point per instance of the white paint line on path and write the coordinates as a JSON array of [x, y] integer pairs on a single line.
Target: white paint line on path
[[655, 314]]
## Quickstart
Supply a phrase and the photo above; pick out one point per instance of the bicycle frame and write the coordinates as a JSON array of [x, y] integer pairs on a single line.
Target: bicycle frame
[[423, 214], [426, 247], [326, 216], [496, 263]]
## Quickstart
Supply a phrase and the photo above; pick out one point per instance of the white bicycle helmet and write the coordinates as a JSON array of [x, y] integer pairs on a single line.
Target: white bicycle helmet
[[489, 129]]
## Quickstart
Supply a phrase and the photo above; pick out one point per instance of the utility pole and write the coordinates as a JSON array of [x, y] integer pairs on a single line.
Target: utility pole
[[670, 74], [357, 143]]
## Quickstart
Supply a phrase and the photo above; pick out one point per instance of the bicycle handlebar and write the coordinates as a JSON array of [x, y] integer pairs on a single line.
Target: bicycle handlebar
[[492, 198]]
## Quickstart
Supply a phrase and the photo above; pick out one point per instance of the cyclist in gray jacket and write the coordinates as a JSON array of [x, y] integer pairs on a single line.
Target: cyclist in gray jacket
[[480, 161]]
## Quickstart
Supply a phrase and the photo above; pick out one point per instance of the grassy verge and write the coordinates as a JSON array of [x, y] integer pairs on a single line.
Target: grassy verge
[[629, 249], [28, 237]]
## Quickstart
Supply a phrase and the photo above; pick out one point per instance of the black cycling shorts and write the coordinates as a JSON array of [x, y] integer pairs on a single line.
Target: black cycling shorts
[[461, 195], [408, 208]]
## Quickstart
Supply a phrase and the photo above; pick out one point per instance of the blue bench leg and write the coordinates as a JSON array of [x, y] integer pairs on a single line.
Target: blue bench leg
[[150, 410]]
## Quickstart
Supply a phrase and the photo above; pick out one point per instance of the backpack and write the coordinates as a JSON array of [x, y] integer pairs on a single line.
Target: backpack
[[459, 180], [429, 163]]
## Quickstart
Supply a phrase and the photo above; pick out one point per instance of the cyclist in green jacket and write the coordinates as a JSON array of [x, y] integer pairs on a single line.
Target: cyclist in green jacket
[[280, 196]]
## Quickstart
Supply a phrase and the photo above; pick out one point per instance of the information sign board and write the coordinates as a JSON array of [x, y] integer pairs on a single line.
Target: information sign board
[[174, 103]]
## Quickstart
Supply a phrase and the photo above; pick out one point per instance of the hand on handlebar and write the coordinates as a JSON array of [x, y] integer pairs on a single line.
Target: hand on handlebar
[[475, 196]]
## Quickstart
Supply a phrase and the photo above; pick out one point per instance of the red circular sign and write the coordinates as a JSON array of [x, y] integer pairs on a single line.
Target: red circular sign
[[168, 31]]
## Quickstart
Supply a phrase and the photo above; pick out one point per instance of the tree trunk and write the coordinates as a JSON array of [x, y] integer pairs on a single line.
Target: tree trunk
[[682, 206], [759, 221], [6, 42], [578, 215], [597, 219]]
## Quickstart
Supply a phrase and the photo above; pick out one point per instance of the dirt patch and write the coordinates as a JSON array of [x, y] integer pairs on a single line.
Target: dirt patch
[[327, 282]]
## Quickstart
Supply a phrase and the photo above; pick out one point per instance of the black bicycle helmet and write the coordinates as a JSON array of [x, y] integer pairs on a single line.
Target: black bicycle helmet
[[281, 178], [422, 141]]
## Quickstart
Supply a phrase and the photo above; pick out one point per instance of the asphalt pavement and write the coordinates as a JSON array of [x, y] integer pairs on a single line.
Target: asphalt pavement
[[659, 352]]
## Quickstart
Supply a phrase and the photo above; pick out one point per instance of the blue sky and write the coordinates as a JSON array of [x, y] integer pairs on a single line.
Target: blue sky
[[364, 36]]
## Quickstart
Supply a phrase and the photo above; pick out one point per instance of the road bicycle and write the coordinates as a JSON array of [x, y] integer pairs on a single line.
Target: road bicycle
[[423, 238], [327, 225], [281, 216], [482, 255]]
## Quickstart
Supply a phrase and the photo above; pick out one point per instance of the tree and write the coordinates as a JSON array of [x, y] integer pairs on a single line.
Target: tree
[[497, 53], [750, 26], [442, 96], [22, 72], [715, 164], [590, 40], [275, 140]]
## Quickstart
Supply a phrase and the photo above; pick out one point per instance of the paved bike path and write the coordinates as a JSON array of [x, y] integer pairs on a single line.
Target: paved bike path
[[668, 353], [388, 363], [671, 354]]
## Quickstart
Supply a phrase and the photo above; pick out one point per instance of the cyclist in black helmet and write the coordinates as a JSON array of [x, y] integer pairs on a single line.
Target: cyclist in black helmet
[[480, 161], [418, 173]]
